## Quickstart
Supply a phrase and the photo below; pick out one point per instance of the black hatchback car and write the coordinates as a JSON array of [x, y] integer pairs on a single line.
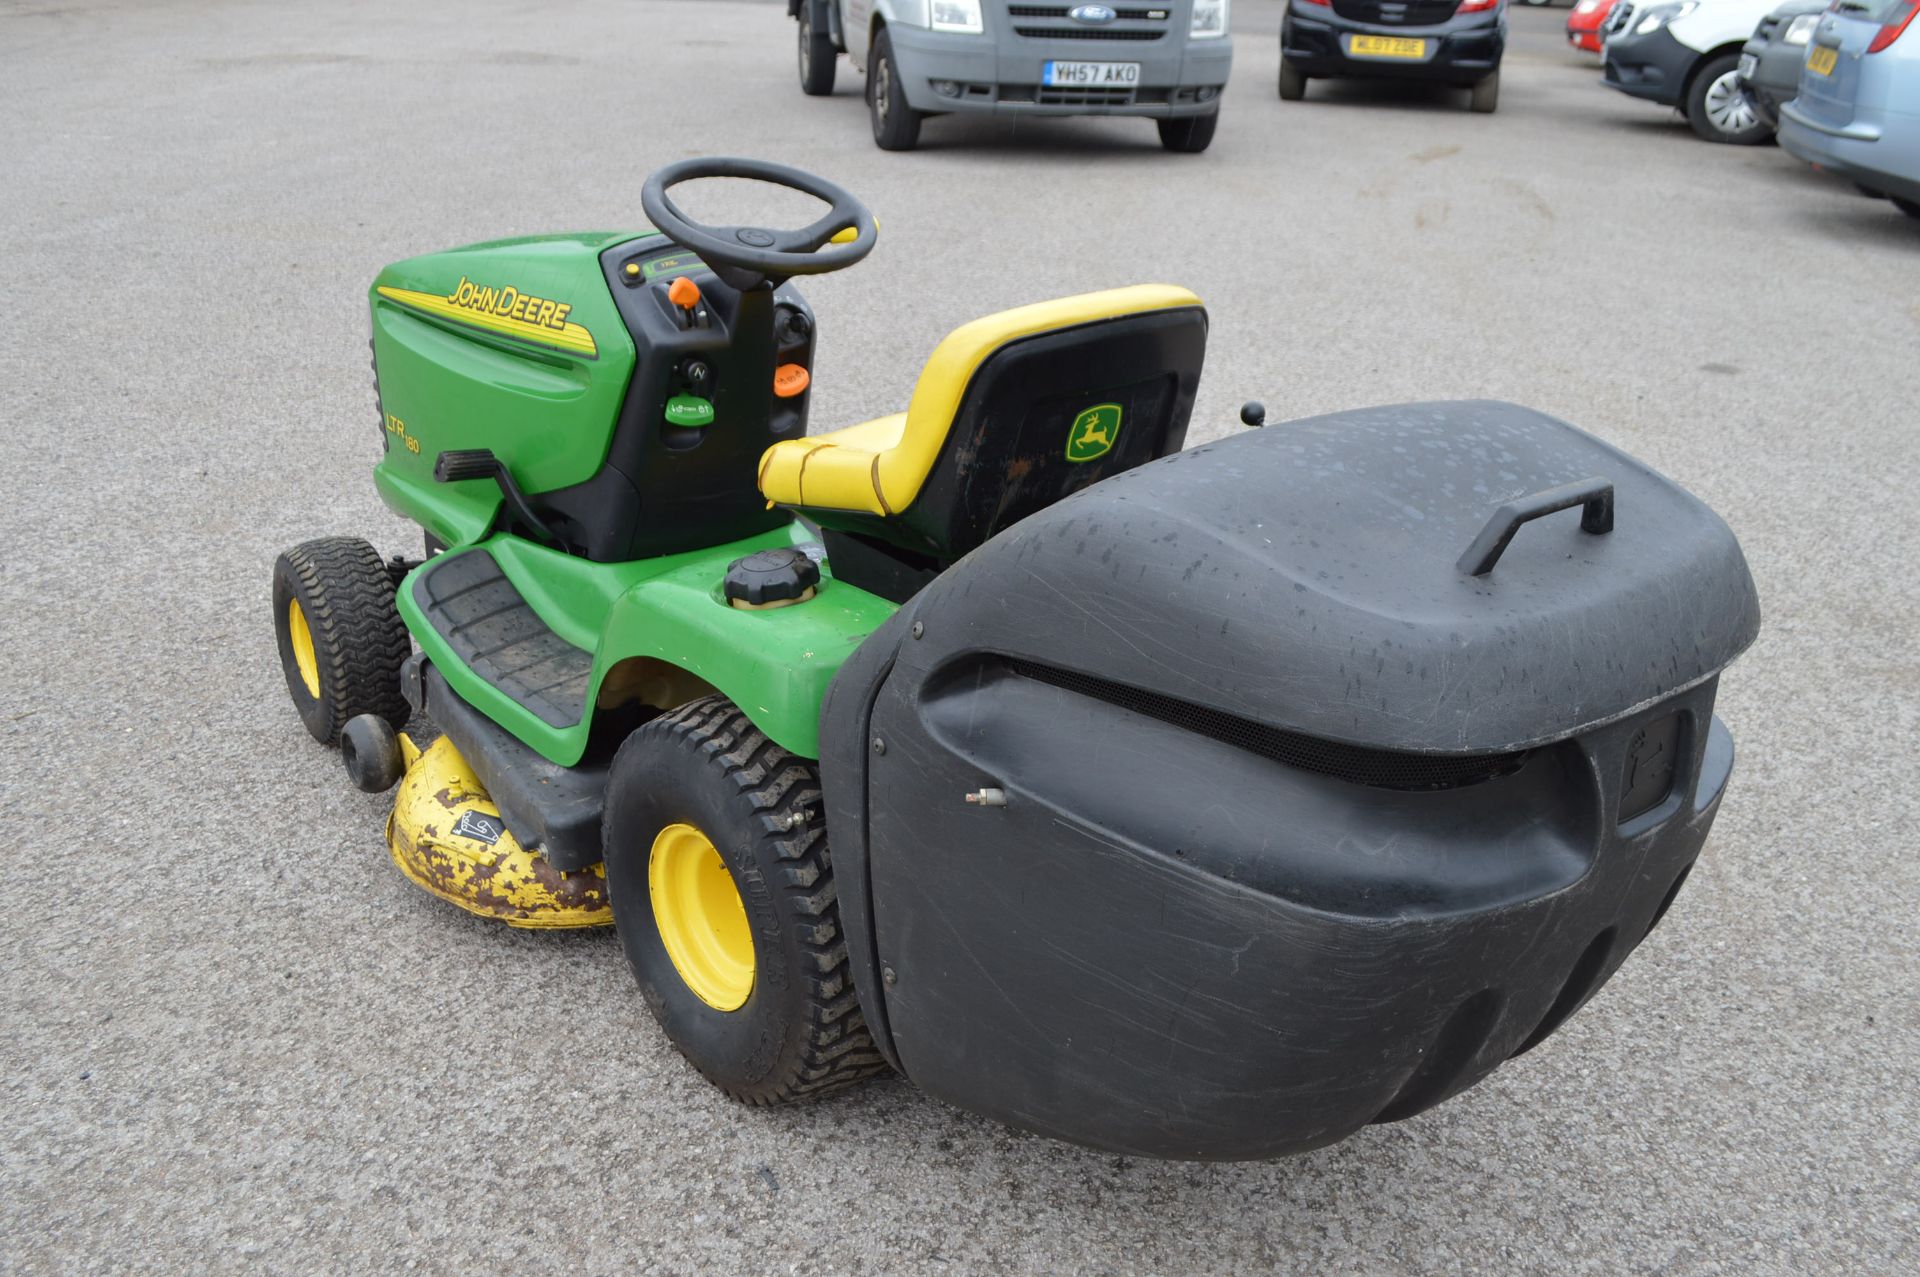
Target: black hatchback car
[[1457, 42]]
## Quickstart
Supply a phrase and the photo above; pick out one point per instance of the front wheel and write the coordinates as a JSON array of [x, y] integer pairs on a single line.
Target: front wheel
[[1718, 107], [1486, 95], [1293, 85], [819, 60], [341, 639], [896, 126], [723, 894], [1190, 134]]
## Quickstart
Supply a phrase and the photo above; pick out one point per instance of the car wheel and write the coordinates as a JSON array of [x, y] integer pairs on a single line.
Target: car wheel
[[818, 58], [723, 896], [1293, 85], [896, 126], [1910, 207], [1190, 134], [1486, 95], [1718, 107]]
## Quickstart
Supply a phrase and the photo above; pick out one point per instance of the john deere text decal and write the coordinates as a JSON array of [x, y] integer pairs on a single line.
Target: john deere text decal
[[505, 310]]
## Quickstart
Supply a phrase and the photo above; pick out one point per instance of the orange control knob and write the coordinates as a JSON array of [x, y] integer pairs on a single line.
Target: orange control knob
[[683, 293], [789, 380]]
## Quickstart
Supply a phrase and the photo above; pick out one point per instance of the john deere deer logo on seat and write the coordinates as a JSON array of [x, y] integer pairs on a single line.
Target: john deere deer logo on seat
[[1093, 432]]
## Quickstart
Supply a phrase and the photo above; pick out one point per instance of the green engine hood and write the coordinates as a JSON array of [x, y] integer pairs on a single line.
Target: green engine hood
[[513, 345]]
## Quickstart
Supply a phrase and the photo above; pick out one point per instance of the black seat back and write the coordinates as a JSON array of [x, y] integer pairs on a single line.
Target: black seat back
[[1042, 418]]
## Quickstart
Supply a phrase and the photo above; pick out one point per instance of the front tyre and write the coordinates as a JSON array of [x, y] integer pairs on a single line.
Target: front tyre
[[723, 894], [896, 126], [341, 640], [1189, 134], [1718, 107], [818, 58]]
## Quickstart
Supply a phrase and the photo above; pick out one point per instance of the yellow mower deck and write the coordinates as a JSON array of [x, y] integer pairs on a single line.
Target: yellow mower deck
[[447, 836]]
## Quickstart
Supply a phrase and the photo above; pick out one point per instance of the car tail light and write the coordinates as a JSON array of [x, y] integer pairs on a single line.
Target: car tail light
[[1475, 6], [1318, 2], [1894, 25]]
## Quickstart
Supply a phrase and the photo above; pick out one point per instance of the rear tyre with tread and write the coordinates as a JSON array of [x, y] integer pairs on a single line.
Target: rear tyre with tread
[[1189, 134], [896, 126], [341, 639], [1486, 95], [799, 1031], [819, 60], [1293, 85]]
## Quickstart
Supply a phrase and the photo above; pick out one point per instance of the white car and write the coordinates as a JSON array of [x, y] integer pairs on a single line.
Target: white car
[[1687, 55]]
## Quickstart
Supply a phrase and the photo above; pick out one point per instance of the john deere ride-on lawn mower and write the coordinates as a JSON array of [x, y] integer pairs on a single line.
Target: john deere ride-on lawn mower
[[1208, 803]]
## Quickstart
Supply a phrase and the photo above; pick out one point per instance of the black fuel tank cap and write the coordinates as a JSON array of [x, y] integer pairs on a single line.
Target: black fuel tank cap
[[784, 575]]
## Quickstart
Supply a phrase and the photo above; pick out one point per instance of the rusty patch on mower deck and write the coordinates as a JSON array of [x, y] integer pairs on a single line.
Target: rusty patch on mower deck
[[447, 836]]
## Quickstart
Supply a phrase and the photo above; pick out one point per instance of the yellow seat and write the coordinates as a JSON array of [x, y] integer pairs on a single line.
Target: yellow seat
[[839, 470], [879, 467]]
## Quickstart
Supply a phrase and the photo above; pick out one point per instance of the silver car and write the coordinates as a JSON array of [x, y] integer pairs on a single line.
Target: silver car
[[1858, 112], [1770, 63]]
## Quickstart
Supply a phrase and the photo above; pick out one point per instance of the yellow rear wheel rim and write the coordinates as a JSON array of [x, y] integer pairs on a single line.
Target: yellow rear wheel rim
[[701, 918], [303, 654]]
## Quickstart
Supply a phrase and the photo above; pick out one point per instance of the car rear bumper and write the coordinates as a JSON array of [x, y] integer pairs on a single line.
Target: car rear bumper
[[1775, 78], [1652, 67], [1776, 70], [1463, 50], [1851, 150], [989, 75]]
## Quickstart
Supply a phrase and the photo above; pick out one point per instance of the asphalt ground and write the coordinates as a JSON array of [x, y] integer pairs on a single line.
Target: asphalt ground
[[236, 1040]]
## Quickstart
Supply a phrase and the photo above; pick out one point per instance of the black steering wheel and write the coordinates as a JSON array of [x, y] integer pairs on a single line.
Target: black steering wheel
[[750, 256]]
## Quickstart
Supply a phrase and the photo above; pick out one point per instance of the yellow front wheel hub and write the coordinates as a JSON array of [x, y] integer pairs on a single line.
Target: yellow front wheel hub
[[701, 918], [304, 656]]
